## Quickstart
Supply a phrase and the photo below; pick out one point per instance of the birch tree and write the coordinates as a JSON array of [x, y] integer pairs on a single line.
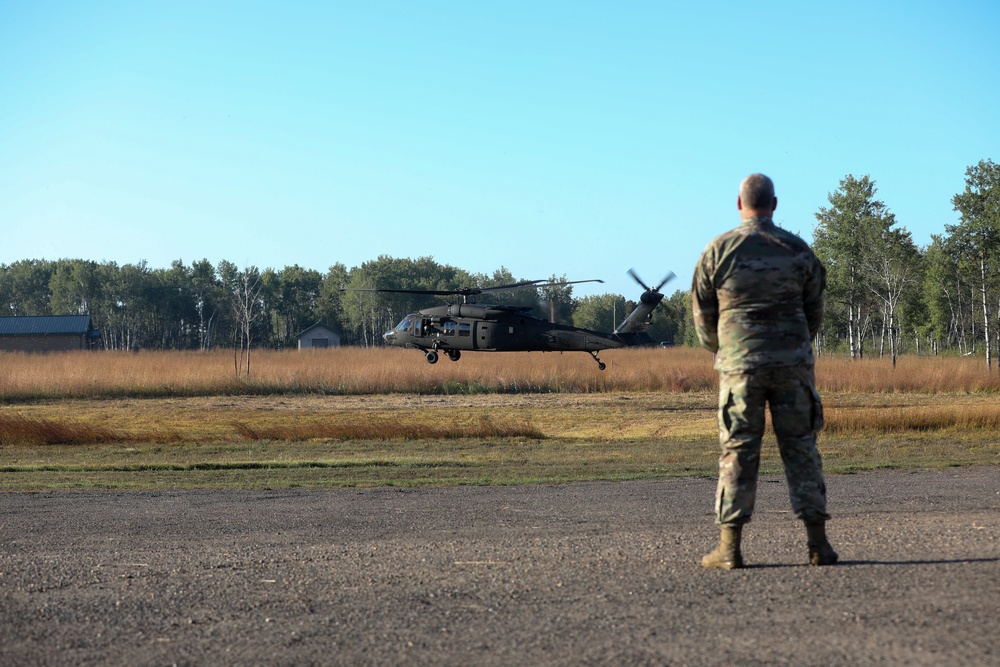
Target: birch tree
[[842, 239], [978, 234], [943, 292], [892, 264], [247, 308]]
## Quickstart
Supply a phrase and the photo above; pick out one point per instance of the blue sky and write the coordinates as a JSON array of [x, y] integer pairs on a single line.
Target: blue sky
[[576, 138]]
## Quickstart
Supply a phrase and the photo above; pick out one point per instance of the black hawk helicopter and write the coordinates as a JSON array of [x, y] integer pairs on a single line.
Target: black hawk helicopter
[[454, 328]]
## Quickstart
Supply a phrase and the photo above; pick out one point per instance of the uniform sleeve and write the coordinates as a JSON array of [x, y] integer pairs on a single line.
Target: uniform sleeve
[[705, 302], [812, 297]]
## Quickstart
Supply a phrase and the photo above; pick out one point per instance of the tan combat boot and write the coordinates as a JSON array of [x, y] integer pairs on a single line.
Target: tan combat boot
[[820, 551], [727, 555]]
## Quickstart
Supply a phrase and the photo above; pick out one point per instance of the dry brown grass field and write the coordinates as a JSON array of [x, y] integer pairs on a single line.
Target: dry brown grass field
[[357, 417], [346, 370], [350, 370]]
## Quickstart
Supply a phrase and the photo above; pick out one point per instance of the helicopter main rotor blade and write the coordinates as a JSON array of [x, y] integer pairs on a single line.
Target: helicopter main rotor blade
[[635, 277], [401, 291], [670, 276], [539, 283], [521, 285], [466, 291]]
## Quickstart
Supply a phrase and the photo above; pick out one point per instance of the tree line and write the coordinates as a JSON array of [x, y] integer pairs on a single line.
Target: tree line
[[201, 306], [885, 295]]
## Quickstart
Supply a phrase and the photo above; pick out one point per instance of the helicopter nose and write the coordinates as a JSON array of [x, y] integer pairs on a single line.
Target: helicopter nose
[[389, 336]]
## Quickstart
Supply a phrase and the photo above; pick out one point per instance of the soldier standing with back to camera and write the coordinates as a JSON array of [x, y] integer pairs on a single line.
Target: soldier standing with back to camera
[[757, 297]]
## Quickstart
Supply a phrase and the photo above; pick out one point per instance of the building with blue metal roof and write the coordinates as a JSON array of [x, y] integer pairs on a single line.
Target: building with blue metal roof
[[47, 333]]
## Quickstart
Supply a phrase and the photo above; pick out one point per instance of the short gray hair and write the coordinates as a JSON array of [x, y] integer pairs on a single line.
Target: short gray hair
[[757, 192]]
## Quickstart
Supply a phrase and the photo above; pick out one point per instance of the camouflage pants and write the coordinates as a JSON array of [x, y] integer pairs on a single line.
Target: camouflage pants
[[796, 413]]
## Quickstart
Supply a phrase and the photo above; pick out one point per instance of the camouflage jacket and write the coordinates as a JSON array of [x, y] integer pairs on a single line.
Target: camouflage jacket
[[757, 297]]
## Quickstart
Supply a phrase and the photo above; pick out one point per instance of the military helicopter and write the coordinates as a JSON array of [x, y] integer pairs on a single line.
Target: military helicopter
[[458, 327]]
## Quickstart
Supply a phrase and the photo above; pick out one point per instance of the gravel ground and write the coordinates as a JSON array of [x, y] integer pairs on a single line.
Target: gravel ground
[[581, 574]]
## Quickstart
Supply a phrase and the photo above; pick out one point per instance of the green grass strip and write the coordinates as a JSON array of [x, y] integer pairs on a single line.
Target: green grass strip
[[238, 465]]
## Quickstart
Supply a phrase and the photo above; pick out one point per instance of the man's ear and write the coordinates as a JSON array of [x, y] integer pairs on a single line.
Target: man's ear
[[739, 203], [775, 204]]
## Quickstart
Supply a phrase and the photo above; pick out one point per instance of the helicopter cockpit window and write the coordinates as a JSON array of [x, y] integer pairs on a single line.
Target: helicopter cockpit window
[[404, 325], [449, 328], [465, 328]]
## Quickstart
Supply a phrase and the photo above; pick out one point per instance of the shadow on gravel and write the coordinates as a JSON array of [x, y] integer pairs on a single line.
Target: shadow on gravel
[[919, 562], [849, 563]]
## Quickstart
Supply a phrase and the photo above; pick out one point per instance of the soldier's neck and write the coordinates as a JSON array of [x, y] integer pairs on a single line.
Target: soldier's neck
[[758, 219]]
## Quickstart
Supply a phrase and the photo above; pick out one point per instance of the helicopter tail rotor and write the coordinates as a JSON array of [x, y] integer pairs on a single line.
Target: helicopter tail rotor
[[666, 279], [633, 329], [635, 276]]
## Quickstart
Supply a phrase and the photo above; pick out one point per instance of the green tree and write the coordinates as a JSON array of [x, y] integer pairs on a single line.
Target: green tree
[[228, 276], [208, 297], [329, 307], [914, 312], [291, 296], [978, 235], [74, 287], [25, 287], [600, 312], [843, 236], [690, 336], [893, 265], [173, 305], [271, 325], [670, 319], [940, 276], [557, 299], [125, 305]]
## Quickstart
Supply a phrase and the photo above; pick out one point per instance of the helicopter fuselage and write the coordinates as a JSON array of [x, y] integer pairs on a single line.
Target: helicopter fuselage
[[458, 327], [461, 327]]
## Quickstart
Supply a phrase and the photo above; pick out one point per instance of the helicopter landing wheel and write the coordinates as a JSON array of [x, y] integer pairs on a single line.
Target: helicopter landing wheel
[[600, 364], [454, 355], [431, 356]]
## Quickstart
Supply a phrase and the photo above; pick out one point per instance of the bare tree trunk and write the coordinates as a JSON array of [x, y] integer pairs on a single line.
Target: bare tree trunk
[[953, 326], [881, 342], [986, 313], [895, 339], [851, 332], [237, 343]]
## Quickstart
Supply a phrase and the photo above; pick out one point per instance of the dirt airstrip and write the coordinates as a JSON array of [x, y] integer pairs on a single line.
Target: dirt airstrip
[[578, 574]]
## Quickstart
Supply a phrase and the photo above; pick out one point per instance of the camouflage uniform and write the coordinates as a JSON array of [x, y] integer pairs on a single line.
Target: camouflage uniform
[[757, 298]]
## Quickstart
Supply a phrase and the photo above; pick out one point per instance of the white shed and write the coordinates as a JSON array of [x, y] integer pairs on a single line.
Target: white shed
[[318, 336]]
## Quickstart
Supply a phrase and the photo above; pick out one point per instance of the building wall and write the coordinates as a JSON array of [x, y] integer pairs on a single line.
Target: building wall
[[42, 343], [312, 337]]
